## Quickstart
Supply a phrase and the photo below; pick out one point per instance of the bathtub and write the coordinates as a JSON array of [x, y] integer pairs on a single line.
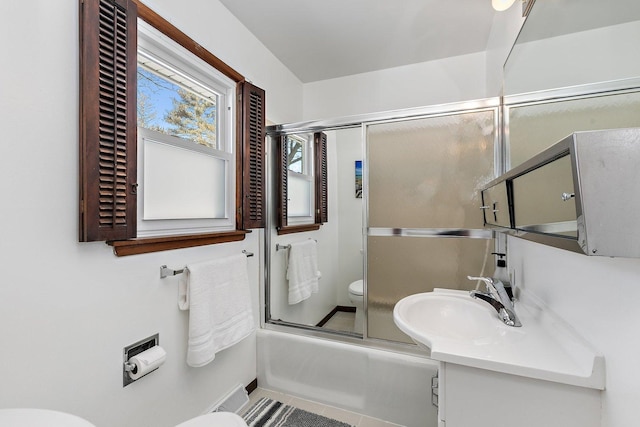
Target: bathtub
[[383, 384]]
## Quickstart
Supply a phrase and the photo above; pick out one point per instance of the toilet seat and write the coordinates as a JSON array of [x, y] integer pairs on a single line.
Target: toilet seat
[[357, 288], [215, 419]]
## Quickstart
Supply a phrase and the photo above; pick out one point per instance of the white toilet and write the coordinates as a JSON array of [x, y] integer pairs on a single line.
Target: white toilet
[[215, 419], [31, 417], [356, 296], [28, 417]]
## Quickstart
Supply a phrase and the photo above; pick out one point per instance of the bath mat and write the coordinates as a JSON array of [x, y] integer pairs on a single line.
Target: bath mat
[[271, 413]]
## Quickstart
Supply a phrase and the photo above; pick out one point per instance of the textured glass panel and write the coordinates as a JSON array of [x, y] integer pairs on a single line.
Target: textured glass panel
[[401, 266], [181, 183], [427, 173], [533, 128]]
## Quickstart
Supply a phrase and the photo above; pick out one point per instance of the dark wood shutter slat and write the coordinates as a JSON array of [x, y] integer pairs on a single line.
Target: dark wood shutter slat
[[107, 120], [282, 173], [322, 189], [253, 157]]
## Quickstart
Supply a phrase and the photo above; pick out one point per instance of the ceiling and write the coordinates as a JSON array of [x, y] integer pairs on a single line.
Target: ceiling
[[324, 39]]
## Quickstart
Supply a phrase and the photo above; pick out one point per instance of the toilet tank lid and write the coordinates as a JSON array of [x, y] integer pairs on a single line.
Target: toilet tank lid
[[356, 287]]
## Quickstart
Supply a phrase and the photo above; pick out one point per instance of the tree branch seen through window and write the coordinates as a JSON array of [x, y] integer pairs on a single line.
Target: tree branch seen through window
[[184, 113]]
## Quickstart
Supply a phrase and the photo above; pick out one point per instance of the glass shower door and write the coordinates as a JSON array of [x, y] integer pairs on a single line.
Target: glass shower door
[[425, 229]]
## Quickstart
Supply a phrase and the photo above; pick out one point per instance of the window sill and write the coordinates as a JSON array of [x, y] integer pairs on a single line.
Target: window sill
[[166, 243], [289, 229]]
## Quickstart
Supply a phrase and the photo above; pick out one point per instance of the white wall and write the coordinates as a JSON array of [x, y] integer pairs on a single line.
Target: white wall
[[349, 215], [599, 297], [460, 78], [67, 309]]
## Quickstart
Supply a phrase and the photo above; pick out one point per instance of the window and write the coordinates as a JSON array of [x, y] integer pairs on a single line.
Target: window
[[297, 154], [227, 146], [186, 160], [302, 182], [300, 191]]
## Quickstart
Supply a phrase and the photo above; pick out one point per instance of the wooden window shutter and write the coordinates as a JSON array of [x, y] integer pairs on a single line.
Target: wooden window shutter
[[282, 174], [108, 45], [322, 190], [252, 179]]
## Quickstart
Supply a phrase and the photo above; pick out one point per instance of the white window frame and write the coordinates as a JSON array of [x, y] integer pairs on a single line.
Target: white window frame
[[153, 44], [307, 175]]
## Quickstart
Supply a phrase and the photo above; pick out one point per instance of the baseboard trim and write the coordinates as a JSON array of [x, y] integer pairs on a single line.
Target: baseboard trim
[[343, 308]]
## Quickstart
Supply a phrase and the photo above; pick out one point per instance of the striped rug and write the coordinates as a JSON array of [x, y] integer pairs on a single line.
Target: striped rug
[[271, 413]]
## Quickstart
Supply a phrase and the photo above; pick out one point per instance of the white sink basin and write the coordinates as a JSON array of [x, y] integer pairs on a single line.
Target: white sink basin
[[459, 329], [440, 315]]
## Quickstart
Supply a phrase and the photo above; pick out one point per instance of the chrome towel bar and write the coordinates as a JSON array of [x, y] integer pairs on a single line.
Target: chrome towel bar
[[280, 247], [166, 272]]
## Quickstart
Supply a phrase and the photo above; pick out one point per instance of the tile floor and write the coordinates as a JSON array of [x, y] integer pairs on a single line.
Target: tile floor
[[341, 321], [352, 418]]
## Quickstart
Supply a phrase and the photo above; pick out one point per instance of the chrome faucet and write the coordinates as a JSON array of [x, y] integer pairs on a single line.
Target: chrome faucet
[[497, 296]]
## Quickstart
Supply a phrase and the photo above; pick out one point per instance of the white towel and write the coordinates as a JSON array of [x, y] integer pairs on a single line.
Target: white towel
[[219, 303], [302, 272]]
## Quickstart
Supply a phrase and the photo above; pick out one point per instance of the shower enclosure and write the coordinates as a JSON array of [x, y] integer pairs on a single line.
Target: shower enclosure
[[416, 226]]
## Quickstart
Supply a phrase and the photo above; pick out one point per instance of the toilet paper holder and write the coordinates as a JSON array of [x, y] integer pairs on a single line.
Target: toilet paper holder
[[132, 350]]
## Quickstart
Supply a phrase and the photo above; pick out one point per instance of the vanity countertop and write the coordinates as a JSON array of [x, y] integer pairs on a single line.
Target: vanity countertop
[[544, 347]]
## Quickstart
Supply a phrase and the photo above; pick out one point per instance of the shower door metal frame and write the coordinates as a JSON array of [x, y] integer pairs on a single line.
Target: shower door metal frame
[[362, 121]]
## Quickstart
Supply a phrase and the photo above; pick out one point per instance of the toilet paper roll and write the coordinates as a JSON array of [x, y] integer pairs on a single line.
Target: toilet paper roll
[[147, 361]]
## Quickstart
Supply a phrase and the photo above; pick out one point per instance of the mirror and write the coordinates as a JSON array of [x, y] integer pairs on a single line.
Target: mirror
[[535, 125], [574, 67], [495, 205], [574, 42], [422, 176], [538, 198]]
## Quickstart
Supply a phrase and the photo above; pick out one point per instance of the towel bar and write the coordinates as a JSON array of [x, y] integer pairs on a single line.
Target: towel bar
[[280, 247], [166, 272]]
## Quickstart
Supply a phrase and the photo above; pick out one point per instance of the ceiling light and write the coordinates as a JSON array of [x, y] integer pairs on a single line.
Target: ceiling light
[[501, 5]]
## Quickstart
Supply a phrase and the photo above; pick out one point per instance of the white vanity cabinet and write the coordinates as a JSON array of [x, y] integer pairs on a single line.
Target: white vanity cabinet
[[490, 374], [482, 398]]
